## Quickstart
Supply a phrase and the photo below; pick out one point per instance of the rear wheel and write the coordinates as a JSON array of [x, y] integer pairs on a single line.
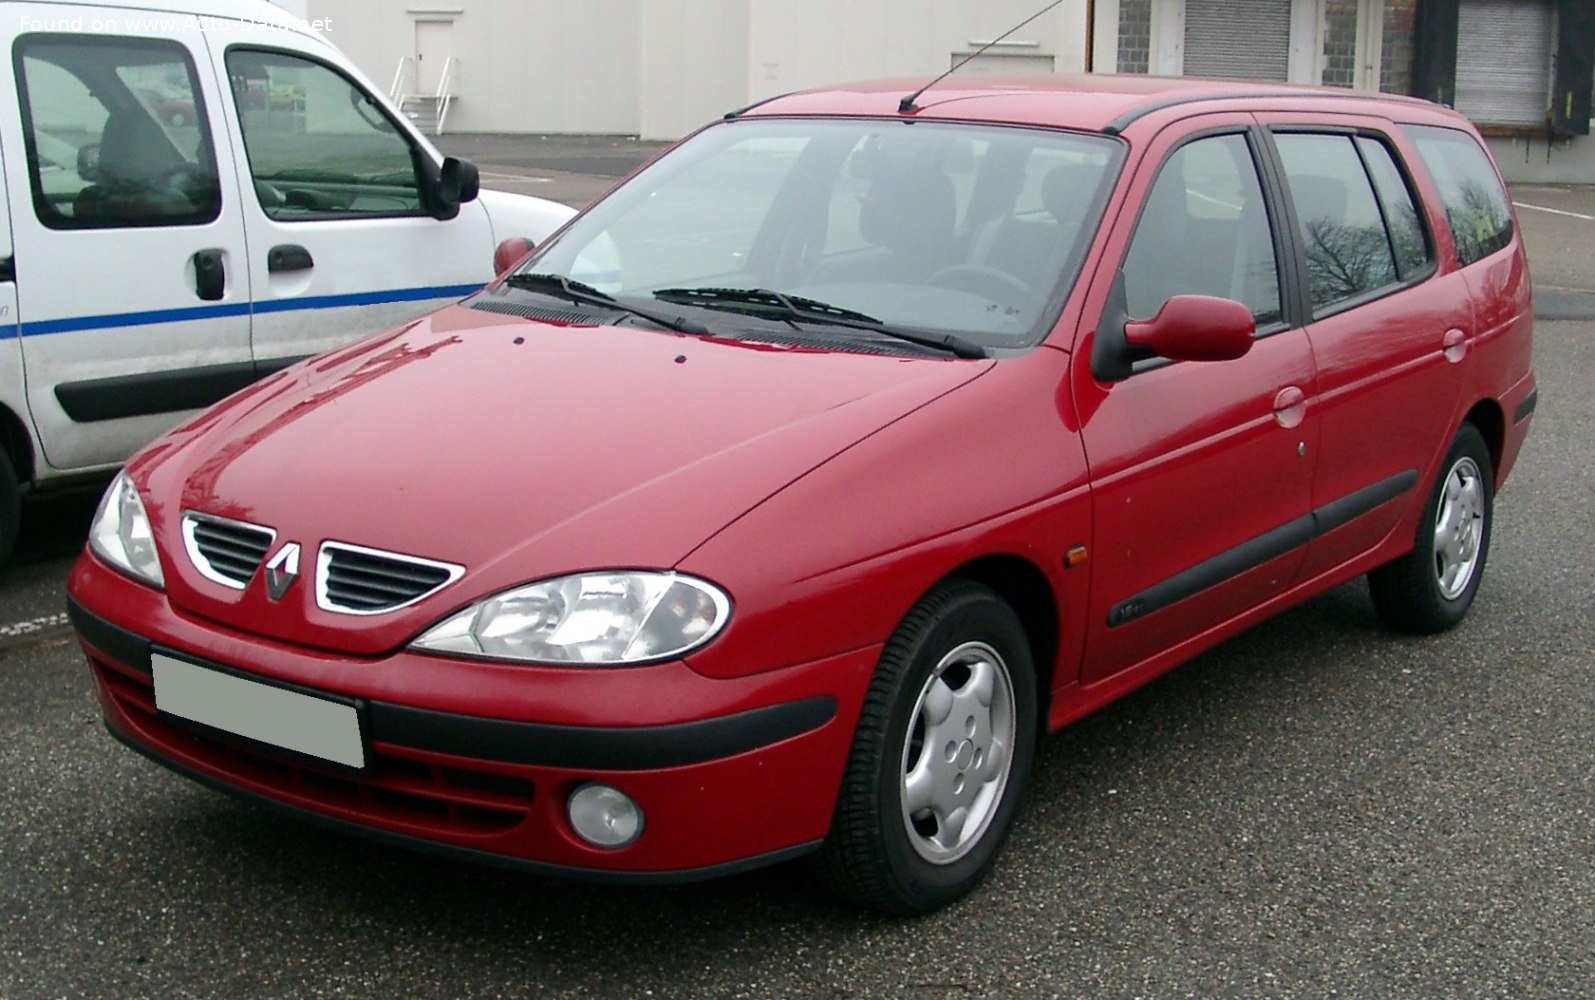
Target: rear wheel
[[1431, 588], [940, 757]]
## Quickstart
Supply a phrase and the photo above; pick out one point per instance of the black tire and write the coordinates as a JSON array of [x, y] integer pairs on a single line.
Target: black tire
[[10, 507], [1430, 589], [956, 639]]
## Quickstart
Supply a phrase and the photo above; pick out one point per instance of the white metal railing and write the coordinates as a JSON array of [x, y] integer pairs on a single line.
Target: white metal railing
[[445, 95], [405, 72]]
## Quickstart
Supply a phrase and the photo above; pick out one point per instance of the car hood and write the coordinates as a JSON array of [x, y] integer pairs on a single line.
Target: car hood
[[514, 449]]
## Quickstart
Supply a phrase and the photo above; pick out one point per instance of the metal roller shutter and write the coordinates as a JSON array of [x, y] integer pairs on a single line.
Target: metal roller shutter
[[1246, 39], [1504, 60]]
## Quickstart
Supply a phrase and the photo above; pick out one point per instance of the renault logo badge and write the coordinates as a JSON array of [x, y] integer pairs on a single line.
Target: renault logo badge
[[282, 571]]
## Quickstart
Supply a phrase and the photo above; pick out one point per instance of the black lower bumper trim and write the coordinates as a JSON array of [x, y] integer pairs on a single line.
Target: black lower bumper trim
[[1526, 407], [638, 748], [127, 648], [594, 748], [471, 855]]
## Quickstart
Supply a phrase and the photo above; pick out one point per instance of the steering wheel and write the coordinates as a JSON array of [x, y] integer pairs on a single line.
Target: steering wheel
[[978, 279]]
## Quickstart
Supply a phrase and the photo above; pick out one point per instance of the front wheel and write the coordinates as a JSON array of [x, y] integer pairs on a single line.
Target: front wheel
[[1431, 588], [940, 757]]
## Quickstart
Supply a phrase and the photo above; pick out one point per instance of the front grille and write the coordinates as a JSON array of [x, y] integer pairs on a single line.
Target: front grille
[[225, 551], [360, 581], [402, 788]]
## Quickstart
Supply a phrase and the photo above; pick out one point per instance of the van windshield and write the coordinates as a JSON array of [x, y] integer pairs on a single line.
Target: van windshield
[[969, 230]]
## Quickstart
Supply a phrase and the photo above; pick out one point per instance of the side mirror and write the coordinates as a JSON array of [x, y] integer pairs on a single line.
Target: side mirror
[[511, 252], [89, 162], [1195, 328], [458, 181]]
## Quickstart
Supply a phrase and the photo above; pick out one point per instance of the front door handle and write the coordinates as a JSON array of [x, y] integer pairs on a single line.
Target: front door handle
[[288, 257], [210, 277]]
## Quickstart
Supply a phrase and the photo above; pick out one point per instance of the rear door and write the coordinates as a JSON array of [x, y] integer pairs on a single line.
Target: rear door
[[1388, 330], [1201, 471], [132, 296], [340, 236]]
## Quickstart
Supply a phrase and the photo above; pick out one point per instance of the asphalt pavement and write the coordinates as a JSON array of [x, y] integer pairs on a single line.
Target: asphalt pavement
[[1316, 808]]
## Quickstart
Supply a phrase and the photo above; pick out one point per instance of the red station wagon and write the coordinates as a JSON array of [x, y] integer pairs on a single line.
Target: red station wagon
[[779, 503]]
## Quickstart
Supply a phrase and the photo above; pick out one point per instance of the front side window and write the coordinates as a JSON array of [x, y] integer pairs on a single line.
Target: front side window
[[970, 230], [319, 147], [116, 133], [1349, 253], [1204, 230], [1476, 206]]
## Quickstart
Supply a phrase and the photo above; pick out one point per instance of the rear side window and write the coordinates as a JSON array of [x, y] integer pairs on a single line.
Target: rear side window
[[1476, 207], [1349, 251], [115, 133]]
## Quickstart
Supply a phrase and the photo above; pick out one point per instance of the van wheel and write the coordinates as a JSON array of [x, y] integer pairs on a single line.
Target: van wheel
[[1431, 588], [10, 507], [940, 756]]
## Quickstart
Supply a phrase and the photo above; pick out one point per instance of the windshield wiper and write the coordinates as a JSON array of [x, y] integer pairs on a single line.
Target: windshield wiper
[[582, 293], [764, 301]]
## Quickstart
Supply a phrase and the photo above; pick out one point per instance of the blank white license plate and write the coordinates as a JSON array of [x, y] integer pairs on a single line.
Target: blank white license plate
[[277, 716]]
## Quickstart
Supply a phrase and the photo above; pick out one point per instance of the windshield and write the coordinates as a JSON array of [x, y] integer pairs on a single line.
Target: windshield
[[971, 232]]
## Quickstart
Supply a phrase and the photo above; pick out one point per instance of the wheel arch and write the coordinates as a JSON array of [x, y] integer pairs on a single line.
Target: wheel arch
[[17, 444], [1487, 416], [1026, 589]]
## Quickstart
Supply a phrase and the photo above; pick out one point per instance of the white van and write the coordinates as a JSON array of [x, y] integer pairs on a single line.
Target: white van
[[196, 193]]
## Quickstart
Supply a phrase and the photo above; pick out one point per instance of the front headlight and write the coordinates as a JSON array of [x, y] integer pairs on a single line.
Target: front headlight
[[121, 533], [603, 619]]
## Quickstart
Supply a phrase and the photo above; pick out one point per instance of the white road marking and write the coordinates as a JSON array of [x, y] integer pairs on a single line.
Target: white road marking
[[517, 178], [1555, 211], [33, 626]]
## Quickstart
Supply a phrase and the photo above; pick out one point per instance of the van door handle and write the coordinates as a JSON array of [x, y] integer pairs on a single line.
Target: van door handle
[[288, 257], [210, 277]]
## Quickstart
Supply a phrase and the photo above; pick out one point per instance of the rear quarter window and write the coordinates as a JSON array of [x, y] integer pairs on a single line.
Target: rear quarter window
[[1476, 206]]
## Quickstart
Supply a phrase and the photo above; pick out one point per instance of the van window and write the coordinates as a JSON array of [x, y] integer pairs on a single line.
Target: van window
[[319, 147], [1476, 207], [1347, 248], [116, 133], [1204, 231]]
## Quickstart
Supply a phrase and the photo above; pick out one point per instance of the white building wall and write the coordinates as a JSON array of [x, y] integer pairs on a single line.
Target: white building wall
[[659, 68], [523, 65]]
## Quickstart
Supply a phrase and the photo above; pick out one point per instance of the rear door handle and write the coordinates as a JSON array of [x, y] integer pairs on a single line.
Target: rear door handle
[[1455, 345], [210, 276], [288, 257]]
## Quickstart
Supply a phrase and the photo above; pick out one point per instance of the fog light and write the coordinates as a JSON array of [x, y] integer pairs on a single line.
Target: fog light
[[604, 816]]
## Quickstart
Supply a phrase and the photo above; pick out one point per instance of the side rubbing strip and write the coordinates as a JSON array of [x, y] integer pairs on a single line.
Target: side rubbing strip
[[1247, 555], [1526, 407], [1348, 508], [1256, 551]]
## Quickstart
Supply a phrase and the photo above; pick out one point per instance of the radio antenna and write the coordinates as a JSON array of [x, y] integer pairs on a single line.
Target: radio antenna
[[907, 105]]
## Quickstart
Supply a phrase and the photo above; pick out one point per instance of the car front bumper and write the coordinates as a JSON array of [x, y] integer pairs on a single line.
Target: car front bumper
[[478, 760]]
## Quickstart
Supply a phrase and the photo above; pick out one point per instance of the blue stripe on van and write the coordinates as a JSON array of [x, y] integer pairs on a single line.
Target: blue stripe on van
[[110, 320]]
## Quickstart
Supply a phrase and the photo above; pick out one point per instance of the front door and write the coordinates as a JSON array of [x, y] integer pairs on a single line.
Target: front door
[[1201, 471], [333, 206], [129, 255]]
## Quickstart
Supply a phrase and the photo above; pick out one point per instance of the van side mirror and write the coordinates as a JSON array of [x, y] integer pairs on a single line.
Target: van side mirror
[[457, 182]]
